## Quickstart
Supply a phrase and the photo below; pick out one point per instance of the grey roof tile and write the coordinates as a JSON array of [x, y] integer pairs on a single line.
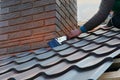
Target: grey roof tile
[[80, 43], [77, 56], [15, 57], [46, 55], [98, 32], [61, 47], [6, 61], [4, 57], [116, 29], [6, 75], [75, 74], [93, 74], [101, 39], [67, 51], [110, 34], [83, 35], [40, 78], [40, 51], [27, 74], [90, 61], [22, 54], [118, 36], [104, 50], [90, 47], [86, 57], [57, 69], [91, 37], [24, 59], [113, 42], [26, 66], [49, 62], [115, 53], [5, 68], [73, 40]]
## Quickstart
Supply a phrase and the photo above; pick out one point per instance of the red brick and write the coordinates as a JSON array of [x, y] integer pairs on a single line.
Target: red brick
[[38, 23], [38, 45], [44, 15], [24, 1], [26, 26], [3, 51], [4, 10], [39, 16], [3, 23], [3, 37], [20, 34], [33, 40], [19, 27], [51, 35], [20, 20], [30, 24], [61, 33], [58, 2], [9, 44], [43, 2], [50, 14], [19, 48], [20, 7], [26, 6], [50, 21], [9, 3], [50, 7], [43, 30], [9, 16], [32, 11]]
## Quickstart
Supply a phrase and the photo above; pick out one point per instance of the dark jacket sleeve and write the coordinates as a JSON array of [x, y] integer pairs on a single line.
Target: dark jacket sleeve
[[104, 9]]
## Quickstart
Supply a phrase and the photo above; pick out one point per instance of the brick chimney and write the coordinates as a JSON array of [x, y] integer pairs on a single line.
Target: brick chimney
[[30, 24]]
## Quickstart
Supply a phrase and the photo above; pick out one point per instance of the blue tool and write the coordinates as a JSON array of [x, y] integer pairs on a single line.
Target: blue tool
[[57, 41]]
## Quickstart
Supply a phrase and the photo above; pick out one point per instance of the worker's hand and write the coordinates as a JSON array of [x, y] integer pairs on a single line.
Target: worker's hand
[[74, 33], [106, 27]]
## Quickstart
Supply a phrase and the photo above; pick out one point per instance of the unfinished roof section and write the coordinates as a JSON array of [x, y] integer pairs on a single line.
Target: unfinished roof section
[[85, 57]]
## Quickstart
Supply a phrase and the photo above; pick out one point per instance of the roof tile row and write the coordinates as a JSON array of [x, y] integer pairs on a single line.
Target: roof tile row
[[85, 57]]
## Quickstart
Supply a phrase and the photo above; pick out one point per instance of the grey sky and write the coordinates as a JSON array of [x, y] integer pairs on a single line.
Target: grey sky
[[87, 8]]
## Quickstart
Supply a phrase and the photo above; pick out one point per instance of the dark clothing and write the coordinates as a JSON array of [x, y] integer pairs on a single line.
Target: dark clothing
[[105, 7], [116, 7], [116, 20], [110, 24]]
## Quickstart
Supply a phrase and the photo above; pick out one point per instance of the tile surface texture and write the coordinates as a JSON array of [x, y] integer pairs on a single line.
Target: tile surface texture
[[85, 57]]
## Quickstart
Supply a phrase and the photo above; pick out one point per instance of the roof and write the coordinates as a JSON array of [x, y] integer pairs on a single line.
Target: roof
[[85, 57]]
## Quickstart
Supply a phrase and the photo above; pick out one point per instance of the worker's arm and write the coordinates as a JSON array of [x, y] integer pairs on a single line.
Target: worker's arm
[[104, 9]]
